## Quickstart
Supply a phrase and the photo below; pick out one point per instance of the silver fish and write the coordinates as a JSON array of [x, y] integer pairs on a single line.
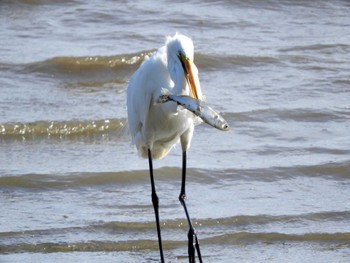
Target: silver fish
[[199, 108]]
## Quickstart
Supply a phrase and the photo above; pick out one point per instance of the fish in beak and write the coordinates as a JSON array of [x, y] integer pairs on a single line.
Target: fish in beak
[[187, 67]]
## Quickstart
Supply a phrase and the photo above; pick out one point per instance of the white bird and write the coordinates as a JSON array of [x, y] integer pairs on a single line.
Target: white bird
[[156, 127]]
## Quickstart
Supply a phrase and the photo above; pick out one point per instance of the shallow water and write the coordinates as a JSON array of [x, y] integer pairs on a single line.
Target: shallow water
[[275, 188]]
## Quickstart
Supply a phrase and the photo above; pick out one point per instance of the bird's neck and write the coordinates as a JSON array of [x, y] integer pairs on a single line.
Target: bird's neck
[[180, 83]]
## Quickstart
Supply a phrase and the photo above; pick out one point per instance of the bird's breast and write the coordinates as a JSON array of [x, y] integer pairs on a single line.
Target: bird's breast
[[167, 120]]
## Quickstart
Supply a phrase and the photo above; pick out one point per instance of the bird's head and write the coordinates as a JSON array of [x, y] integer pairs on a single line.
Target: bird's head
[[180, 48]]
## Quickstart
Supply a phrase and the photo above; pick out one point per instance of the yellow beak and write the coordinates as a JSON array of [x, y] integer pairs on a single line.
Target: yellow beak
[[187, 67]]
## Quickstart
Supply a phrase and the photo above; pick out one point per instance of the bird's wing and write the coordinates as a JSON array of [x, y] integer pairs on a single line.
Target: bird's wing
[[138, 103]]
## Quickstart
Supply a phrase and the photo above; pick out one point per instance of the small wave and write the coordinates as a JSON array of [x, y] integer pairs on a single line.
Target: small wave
[[92, 246], [259, 220], [122, 66], [334, 171], [76, 180], [61, 129], [228, 223], [251, 238], [47, 181], [331, 170], [88, 64], [27, 240], [85, 68], [298, 115], [215, 62], [319, 47], [239, 238], [340, 170]]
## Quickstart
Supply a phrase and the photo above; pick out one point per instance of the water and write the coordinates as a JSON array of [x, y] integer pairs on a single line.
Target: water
[[273, 189]]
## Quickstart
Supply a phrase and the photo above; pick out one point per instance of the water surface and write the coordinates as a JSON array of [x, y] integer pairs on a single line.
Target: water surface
[[273, 189]]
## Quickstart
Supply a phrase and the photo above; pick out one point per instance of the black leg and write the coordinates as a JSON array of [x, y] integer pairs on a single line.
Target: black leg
[[155, 203], [193, 243]]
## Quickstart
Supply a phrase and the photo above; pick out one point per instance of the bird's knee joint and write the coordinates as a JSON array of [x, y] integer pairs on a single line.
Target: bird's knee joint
[[182, 197], [192, 233]]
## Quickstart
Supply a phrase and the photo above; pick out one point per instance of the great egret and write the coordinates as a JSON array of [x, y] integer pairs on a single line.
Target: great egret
[[156, 127]]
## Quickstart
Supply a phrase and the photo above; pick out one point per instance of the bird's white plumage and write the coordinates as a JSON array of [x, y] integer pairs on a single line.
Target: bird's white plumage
[[159, 126]]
